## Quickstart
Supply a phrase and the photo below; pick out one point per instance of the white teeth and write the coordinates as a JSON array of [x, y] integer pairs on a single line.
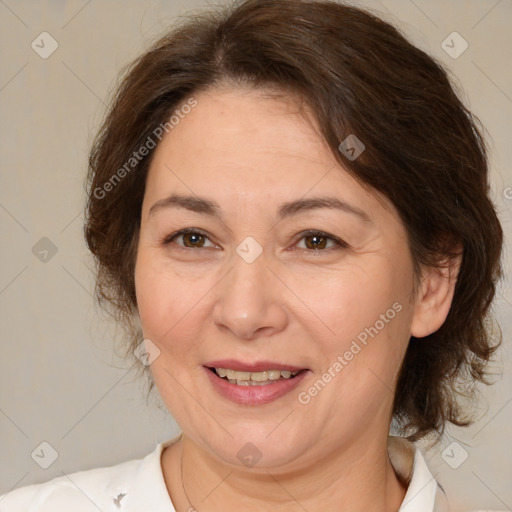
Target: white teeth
[[253, 378]]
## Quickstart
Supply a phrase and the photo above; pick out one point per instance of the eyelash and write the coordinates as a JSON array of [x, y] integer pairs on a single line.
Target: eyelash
[[340, 244]]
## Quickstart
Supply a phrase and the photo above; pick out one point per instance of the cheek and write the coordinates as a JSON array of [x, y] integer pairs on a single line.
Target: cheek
[[152, 296], [171, 304], [345, 302], [362, 315], [160, 298]]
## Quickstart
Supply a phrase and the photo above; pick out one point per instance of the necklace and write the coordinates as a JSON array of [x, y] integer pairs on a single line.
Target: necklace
[[193, 509]]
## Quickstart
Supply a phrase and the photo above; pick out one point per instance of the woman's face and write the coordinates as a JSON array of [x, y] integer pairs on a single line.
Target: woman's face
[[289, 265]]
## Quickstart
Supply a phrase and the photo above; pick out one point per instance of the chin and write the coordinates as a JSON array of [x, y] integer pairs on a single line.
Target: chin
[[252, 447]]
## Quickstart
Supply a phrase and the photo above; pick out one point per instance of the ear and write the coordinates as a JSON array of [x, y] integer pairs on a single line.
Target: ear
[[434, 296]]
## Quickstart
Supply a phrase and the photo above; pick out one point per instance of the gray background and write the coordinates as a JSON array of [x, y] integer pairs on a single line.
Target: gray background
[[59, 380]]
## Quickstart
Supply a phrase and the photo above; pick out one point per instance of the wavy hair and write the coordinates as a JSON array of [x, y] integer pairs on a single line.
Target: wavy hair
[[359, 75]]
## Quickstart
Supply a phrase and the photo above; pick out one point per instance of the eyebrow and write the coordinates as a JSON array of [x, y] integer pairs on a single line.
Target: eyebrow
[[206, 206]]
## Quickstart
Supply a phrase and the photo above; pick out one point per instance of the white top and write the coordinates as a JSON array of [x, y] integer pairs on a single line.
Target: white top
[[138, 486]]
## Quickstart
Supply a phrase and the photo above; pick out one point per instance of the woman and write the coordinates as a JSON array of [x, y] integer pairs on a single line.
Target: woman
[[293, 202]]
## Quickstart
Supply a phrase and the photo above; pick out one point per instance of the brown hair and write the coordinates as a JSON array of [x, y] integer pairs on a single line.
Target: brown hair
[[359, 75]]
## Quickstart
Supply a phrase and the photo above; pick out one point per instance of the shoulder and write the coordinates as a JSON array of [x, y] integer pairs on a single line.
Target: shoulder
[[92, 490], [424, 493], [134, 486]]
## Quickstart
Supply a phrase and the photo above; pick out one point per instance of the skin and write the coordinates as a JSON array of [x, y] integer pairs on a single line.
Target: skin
[[198, 300]]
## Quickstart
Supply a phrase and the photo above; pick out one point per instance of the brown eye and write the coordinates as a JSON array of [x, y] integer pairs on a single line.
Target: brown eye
[[194, 239], [316, 242], [319, 241], [190, 239]]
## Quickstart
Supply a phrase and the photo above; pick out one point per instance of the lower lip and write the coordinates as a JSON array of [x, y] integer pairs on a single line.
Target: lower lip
[[254, 395]]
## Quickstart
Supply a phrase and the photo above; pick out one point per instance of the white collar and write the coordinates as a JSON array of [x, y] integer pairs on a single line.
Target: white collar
[[149, 491], [423, 493]]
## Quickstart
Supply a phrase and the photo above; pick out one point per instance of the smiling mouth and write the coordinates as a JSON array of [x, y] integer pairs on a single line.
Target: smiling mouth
[[254, 378]]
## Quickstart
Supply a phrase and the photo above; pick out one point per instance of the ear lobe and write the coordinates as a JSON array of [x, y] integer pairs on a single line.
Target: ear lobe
[[434, 297]]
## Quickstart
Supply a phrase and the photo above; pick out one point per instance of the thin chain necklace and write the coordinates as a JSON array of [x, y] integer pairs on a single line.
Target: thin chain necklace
[[182, 481]]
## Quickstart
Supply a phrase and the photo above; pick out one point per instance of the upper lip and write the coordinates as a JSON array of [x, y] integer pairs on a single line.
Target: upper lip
[[255, 366]]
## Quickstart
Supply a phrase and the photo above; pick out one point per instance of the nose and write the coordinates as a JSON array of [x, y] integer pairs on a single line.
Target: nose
[[250, 300]]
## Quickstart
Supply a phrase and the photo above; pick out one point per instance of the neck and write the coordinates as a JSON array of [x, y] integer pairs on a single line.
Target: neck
[[354, 480]]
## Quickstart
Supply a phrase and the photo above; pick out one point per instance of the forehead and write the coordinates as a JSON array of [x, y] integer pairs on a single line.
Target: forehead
[[243, 132], [231, 122], [246, 144]]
